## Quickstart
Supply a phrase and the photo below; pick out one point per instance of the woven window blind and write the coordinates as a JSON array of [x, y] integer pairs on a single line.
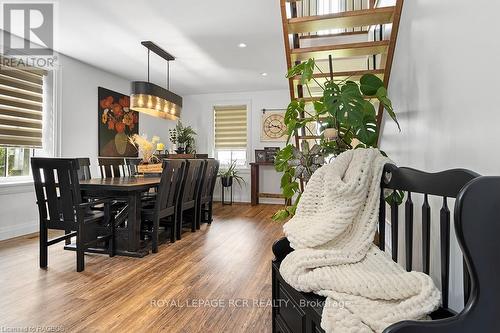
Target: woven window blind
[[230, 127], [21, 104]]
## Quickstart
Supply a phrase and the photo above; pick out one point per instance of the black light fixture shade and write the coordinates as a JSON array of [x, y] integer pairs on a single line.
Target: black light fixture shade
[[151, 99], [156, 101]]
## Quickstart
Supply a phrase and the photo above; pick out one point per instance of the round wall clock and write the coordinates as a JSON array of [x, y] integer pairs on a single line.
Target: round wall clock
[[273, 126]]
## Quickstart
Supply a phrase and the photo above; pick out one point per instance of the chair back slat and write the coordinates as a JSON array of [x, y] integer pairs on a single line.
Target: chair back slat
[[192, 179], [170, 184], [65, 193], [381, 224], [57, 188], [84, 168], [394, 230], [112, 167], [426, 234], [447, 184], [409, 232], [444, 217]]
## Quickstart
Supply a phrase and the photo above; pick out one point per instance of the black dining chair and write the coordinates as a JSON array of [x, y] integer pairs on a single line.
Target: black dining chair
[[84, 168], [187, 206], [162, 212], [206, 196], [60, 207], [132, 164], [112, 167]]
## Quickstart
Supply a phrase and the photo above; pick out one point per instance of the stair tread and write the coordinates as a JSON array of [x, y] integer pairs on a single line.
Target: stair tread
[[317, 98], [345, 74], [333, 35], [348, 19], [340, 50]]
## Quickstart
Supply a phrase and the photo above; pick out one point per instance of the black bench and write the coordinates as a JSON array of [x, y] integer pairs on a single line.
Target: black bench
[[477, 229]]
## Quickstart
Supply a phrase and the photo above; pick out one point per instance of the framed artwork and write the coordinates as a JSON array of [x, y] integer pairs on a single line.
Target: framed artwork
[[273, 126], [271, 153], [116, 123], [260, 156]]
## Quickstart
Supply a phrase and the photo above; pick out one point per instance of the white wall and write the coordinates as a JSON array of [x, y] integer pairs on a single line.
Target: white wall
[[444, 87], [199, 112], [76, 100]]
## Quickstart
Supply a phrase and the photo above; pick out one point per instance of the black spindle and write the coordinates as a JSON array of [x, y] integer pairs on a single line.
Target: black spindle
[[381, 223], [445, 250], [394, 230], [409, 232], [426, 234]]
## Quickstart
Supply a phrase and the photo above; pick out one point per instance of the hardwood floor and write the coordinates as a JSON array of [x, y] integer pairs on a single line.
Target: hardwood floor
[[227, 264]]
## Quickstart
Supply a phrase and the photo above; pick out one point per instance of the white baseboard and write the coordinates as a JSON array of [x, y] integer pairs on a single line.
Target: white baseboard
[[18, 230]]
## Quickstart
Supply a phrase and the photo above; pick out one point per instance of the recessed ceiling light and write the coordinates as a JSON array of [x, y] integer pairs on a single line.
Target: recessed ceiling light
[[263, 74], [242, 45]]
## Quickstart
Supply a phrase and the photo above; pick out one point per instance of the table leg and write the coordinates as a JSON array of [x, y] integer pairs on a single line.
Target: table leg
[[134, 221], [254, 191]]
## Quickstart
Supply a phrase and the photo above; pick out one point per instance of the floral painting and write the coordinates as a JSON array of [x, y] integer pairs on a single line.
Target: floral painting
[[116, 124]]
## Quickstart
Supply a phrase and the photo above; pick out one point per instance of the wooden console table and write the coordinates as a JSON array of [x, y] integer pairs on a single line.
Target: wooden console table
[[255, 193]]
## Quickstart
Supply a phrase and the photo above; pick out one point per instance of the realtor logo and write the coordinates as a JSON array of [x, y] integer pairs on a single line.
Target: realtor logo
[[33, 23]]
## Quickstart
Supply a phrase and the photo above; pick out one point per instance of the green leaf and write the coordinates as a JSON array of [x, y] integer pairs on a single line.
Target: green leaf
[[285, 179], [381, 92], [307, 72], [319, 107], [290, 189], [296, 70], [388, 107], [291, 209], [370, 84], [280, 215]]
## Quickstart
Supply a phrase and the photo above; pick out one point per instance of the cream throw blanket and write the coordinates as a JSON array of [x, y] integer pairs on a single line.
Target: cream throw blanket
[[332, 233]]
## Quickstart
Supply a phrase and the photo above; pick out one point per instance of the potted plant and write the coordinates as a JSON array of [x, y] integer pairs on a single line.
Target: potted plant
[[347, 119], [183, 138], [228, 175]]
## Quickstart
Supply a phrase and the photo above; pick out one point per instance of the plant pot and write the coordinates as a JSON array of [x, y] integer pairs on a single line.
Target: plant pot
[[180, 150], [227, 181], [330, 133]]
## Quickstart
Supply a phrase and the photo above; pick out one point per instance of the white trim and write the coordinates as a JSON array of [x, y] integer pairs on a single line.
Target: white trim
[[18, 230]]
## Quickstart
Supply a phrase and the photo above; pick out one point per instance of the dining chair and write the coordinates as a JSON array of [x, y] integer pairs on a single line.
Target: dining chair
[[163, 210], [112, 167], [84, 168], [132, 164], [60, 207], [206, 196], [187, 206]]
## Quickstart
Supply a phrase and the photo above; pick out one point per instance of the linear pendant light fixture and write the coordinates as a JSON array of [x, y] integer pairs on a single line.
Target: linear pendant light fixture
[[149, 98]]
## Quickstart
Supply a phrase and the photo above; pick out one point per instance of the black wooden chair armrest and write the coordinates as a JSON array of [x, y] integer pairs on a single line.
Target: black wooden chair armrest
[[281, 248]]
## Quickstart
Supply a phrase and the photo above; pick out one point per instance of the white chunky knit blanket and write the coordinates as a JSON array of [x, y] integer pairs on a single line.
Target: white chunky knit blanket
[[332, 233]]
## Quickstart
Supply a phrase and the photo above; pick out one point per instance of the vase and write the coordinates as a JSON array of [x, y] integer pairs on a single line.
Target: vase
[[227, 181], [121, 141], [180, 150]]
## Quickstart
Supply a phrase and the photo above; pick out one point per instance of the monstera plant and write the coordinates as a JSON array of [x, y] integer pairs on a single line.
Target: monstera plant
[[344, 117]]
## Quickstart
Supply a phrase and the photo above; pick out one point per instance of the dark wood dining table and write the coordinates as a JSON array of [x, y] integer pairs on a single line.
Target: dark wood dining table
[[130, 189]]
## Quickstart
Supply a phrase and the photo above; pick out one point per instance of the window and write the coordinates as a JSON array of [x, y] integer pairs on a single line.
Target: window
[[21, 105], [231, 134], [15, 162]]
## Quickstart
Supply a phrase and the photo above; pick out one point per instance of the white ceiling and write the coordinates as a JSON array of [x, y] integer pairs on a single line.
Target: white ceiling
[[203, 35]]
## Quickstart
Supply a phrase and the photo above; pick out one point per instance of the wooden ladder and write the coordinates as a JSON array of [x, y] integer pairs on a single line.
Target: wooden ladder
[[354, 23]]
